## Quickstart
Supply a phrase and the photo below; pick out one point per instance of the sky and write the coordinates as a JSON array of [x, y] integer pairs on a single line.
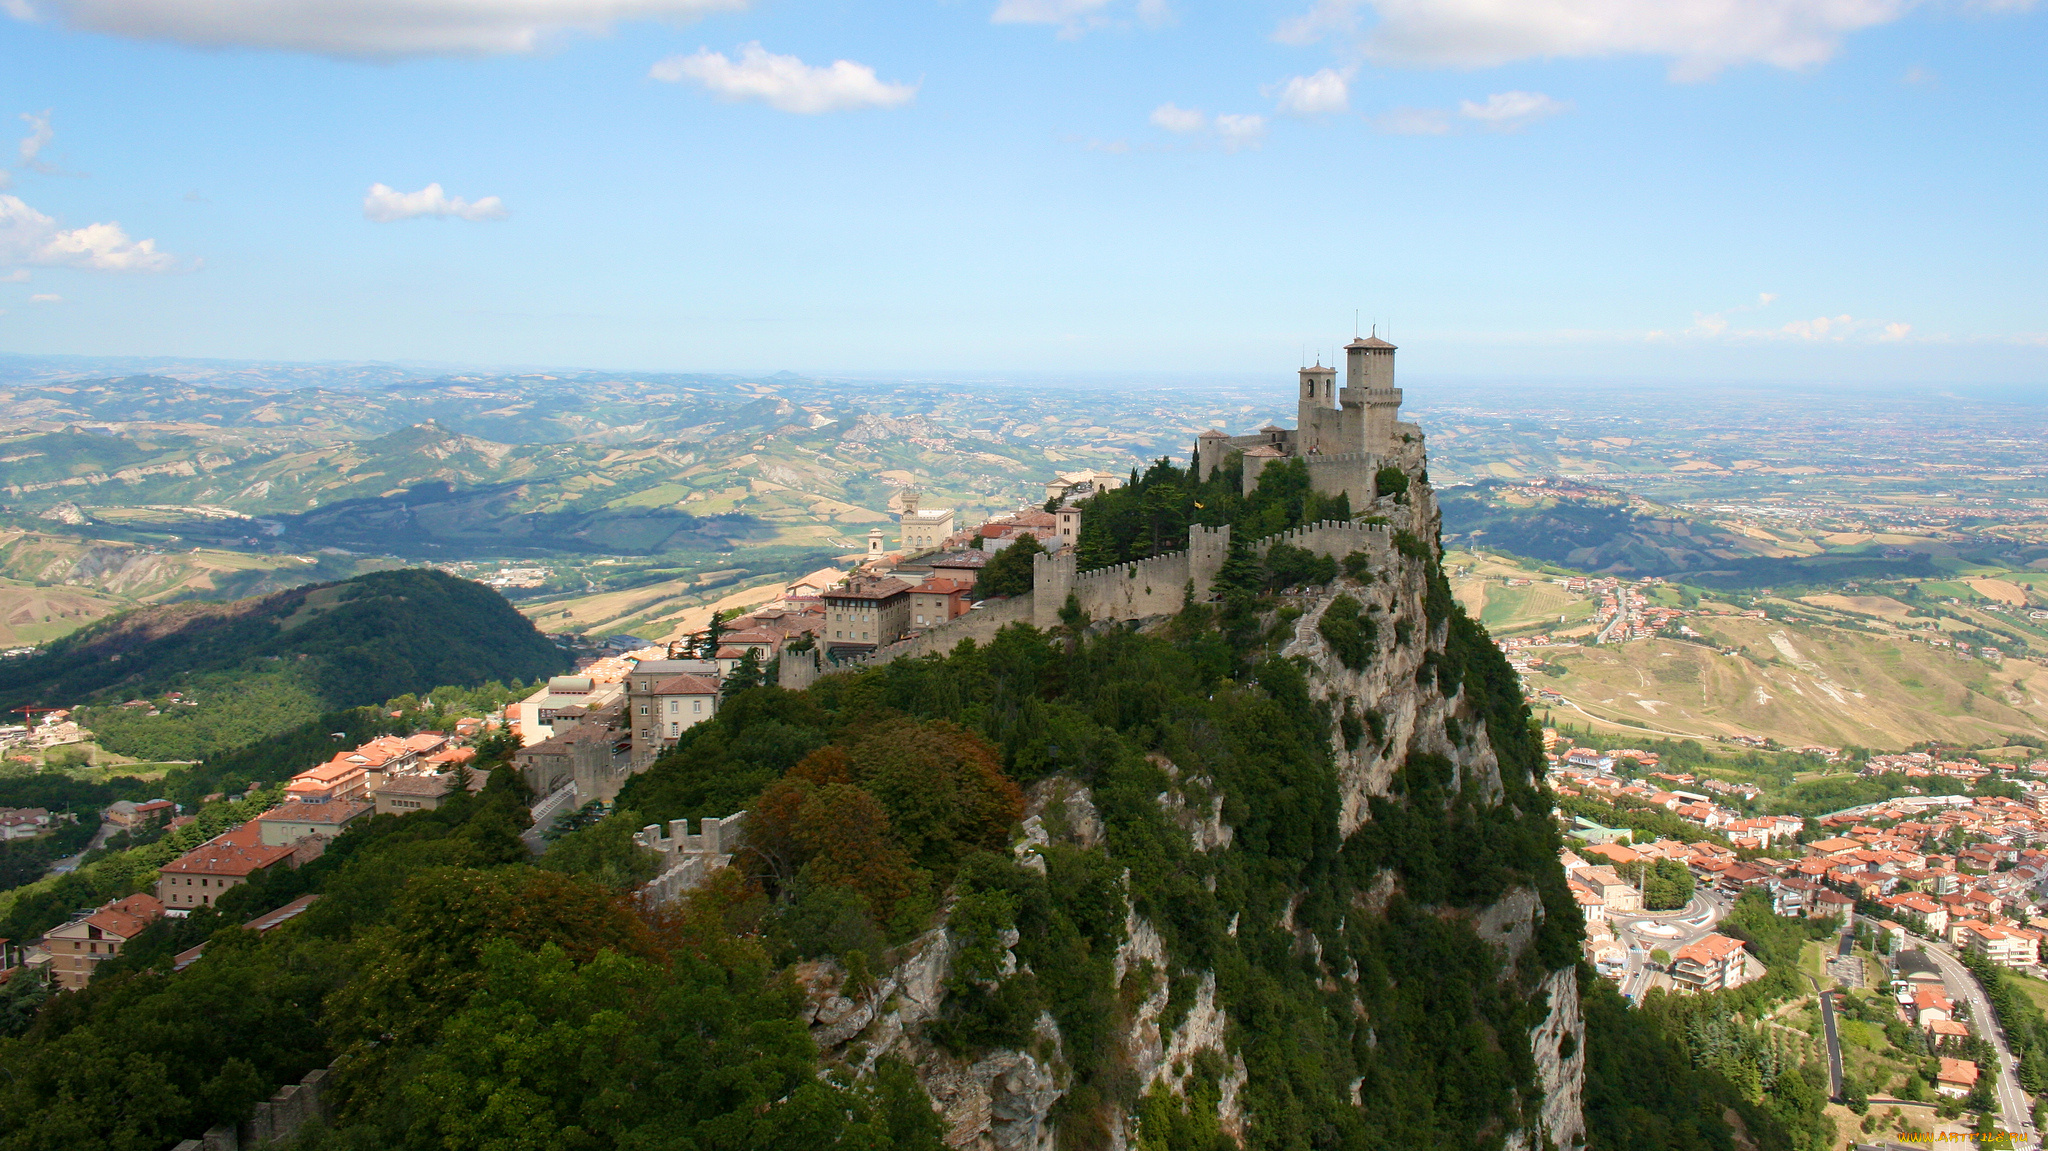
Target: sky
[[1671, 191]]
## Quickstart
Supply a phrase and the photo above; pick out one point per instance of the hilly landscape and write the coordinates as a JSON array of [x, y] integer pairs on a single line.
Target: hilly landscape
[[250, 668], [1827, 667]]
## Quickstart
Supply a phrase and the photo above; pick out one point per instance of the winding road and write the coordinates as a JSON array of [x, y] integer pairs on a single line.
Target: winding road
[[2012, 1102]]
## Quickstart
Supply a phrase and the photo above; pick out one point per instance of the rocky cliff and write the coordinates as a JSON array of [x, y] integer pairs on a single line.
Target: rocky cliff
[[1362, 940]]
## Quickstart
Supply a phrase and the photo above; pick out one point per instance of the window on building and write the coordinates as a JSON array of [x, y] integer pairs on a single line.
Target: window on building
[[697, 706]]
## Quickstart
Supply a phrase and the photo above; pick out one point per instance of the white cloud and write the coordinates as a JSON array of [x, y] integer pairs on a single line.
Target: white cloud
[[17, 276], [1235, 130], [1315, 94], [1700, 37], [1820, 329], [1327, 17], [1241, 131], [360, 28], [1181, 120], [385, 204], [1919, 77], [29, 237], [1507, 111], [46, 298], [39, 136], [785, 82], [1413, 122], [1075, 17]]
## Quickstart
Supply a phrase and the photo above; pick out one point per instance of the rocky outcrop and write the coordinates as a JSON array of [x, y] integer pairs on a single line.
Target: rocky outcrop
[[1174, 1025]]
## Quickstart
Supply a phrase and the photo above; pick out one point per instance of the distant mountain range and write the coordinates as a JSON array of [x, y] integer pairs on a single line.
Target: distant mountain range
[[513, 466]]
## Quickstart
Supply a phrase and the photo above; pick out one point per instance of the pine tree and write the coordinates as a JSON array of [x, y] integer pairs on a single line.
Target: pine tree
[[744, 674], [1239, 579]]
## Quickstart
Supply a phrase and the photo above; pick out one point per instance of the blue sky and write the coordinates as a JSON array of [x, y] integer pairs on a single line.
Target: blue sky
[[1818, 190]]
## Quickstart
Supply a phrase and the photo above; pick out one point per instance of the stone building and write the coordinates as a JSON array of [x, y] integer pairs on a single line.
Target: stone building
[[865, 614], [1343, 435], [595, 755], [923, 529]]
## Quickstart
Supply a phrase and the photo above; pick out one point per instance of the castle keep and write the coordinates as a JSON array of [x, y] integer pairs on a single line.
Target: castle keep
[[1345, 435]]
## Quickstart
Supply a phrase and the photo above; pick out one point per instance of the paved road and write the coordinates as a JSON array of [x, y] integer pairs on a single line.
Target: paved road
[[2012, 1103], [70, 863], [1827, 1017]]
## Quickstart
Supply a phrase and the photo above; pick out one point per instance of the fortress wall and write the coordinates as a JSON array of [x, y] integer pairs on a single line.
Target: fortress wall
[[1351, 472], [1155, 586], [1336, 539], [1127, 591]]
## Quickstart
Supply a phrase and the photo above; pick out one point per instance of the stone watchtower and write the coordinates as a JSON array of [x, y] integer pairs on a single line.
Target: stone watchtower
[[1317, 422], [1369, 384]]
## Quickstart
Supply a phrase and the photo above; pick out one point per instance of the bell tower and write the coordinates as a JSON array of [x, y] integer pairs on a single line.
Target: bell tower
[[1314, 425]]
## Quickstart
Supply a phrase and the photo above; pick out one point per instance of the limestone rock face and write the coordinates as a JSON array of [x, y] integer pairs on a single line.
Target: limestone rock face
[[1004, 1100]]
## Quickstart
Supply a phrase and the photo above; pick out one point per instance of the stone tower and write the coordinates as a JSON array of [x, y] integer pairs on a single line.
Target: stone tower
[[1369, 385], [1315, 408]]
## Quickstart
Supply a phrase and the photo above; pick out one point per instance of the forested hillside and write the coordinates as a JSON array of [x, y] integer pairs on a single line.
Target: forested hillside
[[257, 666]]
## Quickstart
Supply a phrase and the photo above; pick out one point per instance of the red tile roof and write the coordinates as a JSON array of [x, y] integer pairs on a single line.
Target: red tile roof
[[686, 685], [238, 852], [125, 918]]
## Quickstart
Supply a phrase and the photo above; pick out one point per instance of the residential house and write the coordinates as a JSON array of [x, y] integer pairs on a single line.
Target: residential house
[[644, 729], [2005, 946], [681, 702], [1711, 963], [1958, 1077], [735, 646], [340, 779], [129, 815], [24, 822], [1929, 1004], [939, 599], [1614, 892], [80, 946]]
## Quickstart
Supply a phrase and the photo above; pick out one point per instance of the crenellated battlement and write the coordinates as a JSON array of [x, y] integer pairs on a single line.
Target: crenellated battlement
[[687, 860]]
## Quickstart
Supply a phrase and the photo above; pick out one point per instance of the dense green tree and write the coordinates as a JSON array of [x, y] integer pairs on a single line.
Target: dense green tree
[[1010, 571], [1667, 885]]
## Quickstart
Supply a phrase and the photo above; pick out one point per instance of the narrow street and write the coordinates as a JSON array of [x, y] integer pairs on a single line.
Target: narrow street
[[2012, 1102]]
